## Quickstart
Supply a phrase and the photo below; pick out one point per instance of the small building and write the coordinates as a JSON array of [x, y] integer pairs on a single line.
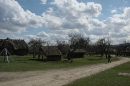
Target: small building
[[14, 46], [51, 52], [76, 53], [126, 52]]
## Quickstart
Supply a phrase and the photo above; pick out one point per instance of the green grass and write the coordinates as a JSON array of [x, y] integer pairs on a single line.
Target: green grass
[[27, 63], [107, 78]]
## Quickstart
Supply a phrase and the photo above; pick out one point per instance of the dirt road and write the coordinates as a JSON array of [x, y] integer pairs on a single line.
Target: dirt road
[[57, 77]]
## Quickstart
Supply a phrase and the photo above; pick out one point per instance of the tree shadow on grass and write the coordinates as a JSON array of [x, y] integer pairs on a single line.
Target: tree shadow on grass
[[94, 59], [40, 60]]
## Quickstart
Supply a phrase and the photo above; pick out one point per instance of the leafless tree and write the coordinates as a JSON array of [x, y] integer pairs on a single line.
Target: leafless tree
[[63, 46], [103, 46], [36, 44], [78, 41], [100, 44], [108, 43], [123, 47]]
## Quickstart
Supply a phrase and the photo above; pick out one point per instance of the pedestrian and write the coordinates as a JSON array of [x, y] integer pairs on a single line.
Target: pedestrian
[[109, 58], [5, 55]]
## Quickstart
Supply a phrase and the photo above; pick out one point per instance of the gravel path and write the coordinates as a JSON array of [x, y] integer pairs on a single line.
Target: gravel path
[[57, 77]]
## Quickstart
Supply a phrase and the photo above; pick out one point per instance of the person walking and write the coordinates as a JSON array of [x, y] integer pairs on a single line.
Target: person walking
[[109, 58]]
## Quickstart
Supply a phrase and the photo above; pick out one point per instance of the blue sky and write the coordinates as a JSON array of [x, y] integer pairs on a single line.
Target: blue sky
[[53, 20]]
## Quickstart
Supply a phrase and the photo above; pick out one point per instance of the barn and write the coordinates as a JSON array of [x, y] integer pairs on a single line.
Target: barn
[[51, 52], [14, 46], [126, 52], [76, 53]]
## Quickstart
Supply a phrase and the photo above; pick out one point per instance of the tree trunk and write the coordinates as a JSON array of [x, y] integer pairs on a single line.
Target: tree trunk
[[34, 55], [39, 56], [106, 56]]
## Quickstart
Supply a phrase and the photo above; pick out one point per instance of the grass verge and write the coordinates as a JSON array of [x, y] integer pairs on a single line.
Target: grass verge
[[27, 63], [107, 78]]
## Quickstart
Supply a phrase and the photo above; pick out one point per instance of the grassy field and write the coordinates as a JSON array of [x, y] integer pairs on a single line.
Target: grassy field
[[27, 63], [107, 78]]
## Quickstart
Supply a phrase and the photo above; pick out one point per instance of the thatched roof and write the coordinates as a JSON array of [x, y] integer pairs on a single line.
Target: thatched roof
[[78, 50], [16, 43], [50, 50]]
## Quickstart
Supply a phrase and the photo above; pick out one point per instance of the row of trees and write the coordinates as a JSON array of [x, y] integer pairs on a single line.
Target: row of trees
[[78, 41]]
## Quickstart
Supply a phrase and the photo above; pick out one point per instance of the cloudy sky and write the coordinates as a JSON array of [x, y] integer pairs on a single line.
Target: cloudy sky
[[53, 20]]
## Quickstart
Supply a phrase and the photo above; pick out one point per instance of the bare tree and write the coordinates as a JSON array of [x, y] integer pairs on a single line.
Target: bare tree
[[123, 47], [74, 40], [63, 46], [78, 41], [108, 43], [36, 44], [101, 46]]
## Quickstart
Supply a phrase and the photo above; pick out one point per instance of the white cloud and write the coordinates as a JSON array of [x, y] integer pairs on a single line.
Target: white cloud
[[43, 1], [28, 37], [14, 18], [113, 11], [31, 36], [118, 26], [43, 34], [127, 12], [51, 38], [96, 23], [70, 14], [51, 21], [69, 17], [77, 17], [75, 9]]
